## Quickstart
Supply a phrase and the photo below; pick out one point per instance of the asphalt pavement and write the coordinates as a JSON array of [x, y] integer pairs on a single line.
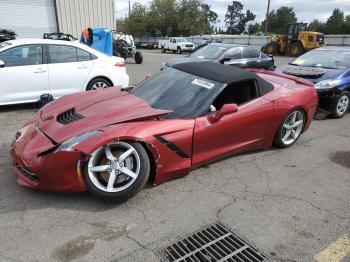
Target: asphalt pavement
[[292, 204]]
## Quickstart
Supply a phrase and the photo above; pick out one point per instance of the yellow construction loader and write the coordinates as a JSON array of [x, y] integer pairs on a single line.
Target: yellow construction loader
[[297, 40]]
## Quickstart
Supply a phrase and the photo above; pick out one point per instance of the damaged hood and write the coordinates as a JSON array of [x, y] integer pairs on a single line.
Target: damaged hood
[[79, 113], [313, 74]]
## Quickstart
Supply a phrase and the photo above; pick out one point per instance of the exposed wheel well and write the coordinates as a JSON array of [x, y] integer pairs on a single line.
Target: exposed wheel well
[[103, 77], [152, 161]]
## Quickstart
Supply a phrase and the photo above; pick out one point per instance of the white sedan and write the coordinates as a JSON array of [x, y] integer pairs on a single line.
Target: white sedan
[[32, 67]]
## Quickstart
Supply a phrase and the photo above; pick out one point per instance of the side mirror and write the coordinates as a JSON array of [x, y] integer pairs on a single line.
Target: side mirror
[[2, 64], [225, 59], [226, 109]]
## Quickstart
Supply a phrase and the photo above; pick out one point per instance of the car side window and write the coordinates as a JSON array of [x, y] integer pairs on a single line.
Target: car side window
[[62, 54], [251, 53], [233, 53], [83, 55], [23, 56], [174, 41], [236, 93]]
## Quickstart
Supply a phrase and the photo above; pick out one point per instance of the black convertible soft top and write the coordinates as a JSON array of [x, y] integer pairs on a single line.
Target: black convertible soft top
[[224, 74]]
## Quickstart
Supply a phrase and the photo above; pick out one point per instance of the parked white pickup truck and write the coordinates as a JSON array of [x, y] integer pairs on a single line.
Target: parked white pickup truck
[[176, 44]]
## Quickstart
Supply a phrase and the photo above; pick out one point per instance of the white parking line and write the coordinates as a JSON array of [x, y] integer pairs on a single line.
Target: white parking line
[[335, 252]]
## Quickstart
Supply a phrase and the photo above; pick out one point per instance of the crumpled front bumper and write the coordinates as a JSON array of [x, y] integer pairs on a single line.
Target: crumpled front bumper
[[38, 168], [327, 99]]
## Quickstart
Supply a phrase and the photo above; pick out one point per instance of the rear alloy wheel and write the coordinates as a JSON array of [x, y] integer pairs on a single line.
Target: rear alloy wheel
[[341, 106], [117, 171], [97, 84], [296, 49], [290, 129]]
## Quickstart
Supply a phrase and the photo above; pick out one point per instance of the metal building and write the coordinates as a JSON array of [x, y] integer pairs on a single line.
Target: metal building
[[33, 18]]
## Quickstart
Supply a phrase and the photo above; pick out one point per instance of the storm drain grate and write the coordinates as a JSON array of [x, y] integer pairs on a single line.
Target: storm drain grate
[[213, 243]]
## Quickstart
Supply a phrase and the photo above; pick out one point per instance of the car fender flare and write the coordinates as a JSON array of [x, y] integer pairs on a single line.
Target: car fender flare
[[88, 146]]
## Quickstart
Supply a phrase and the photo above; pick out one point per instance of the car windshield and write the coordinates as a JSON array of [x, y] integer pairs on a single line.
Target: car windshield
[[188, 96], [4, 44], [209, 52], [181, 40], [330, 59]]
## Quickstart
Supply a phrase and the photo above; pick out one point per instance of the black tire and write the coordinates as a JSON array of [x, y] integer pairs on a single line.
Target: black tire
[[271, 48], [296, 49], [130, 191], [162, 49], [104, 83], [335, 112], [178, 50], [278, 142], [138, 57]]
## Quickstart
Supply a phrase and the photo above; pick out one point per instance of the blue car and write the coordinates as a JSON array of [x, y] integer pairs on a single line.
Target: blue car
[[329, 68]]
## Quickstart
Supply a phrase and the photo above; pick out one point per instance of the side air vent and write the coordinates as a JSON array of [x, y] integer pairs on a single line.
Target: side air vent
[[68, 117]]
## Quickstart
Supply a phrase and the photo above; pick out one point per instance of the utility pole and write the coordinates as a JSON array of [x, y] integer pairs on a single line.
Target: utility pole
[[129, 7], [267, 16]]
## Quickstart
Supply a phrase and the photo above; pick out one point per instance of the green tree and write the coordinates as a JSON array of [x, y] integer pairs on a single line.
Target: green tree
[[163, 15], [191, 20], [170, 18], [210, 19], [254, 28], [318, 26], [136, 23], [336, 22], [347, 25], [280, 18], [235, 19]]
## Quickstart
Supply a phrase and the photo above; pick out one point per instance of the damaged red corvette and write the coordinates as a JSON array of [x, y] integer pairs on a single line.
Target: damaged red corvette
[[111, 142]]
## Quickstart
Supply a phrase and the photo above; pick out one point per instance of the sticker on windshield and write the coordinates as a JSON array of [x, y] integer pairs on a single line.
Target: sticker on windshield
[[299, 61], [203, 83]]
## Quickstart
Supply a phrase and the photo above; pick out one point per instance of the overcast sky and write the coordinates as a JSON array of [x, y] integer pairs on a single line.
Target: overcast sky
[[306, 10]]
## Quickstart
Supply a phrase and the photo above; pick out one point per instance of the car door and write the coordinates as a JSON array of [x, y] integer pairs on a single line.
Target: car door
[[246, 129], [24, 76], [233, 57], [173, 44], [251, 57], [68, 68]]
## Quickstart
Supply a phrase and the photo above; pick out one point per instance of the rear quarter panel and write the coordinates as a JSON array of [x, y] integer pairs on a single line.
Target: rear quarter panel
[[289, 94]]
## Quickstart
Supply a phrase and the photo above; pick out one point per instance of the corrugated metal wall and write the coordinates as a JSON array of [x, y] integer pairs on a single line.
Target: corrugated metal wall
[[28, 18], [74, 15]]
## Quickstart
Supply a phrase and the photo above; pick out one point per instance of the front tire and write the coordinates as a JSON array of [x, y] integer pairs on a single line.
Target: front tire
[[341, 105], [117, 171], [162, 49], [296, 49], [271, 48], [138, 57], [179, 51], [290, 129], [97, 84]]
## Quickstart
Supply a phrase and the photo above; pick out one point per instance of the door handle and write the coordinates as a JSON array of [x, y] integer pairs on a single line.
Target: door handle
[[39, 71], [82, 67]]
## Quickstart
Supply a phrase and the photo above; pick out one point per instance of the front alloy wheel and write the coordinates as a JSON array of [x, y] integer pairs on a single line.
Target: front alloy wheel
[[291, 129], [117, 171], [341, 106]]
